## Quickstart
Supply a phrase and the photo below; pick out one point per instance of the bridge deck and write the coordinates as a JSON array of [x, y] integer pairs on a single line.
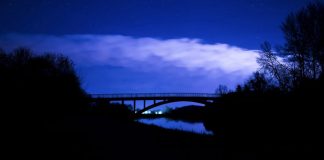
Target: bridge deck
[[155, 96]]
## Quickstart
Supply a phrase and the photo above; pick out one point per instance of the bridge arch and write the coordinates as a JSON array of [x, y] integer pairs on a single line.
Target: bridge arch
[[169, 101], [202, 98]]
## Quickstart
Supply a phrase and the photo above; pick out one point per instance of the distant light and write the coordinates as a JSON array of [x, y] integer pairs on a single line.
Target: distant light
[[159, 112], [146, 112]]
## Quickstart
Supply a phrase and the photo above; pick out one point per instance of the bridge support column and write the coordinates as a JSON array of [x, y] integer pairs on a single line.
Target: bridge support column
[[154, 101], [123, 102], [134, 106], [144, 103]]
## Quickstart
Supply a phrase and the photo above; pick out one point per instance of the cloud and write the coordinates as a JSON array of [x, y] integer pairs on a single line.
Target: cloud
[[127, 51], [193, 64]]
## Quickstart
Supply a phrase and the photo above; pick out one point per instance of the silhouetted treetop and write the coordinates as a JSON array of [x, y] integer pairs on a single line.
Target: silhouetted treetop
[[301, 58], [44, 84], [274, 67], [304, 35]]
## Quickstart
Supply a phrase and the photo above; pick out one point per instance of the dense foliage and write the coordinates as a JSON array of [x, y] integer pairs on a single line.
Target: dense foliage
[[38, 86], [278, 110]]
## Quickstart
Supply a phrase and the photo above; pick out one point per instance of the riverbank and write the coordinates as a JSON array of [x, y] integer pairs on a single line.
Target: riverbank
[[100, 137]]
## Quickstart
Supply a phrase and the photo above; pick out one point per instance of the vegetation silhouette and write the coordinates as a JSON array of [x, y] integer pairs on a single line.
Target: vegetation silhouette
[[115, 111], [40, 86], [276, 113], [37, 93], [190, 113], [47, 115]]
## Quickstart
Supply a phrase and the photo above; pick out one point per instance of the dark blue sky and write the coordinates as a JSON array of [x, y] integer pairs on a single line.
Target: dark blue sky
[[243, 23], [148, 26]]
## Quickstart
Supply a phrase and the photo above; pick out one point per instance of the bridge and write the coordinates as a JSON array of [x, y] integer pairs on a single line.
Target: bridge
[[157, 98]]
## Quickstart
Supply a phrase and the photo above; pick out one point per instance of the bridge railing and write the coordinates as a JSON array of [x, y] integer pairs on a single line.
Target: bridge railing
[[157, 95]]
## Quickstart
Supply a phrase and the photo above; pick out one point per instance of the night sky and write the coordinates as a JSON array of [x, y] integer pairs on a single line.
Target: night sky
[[123, 46]]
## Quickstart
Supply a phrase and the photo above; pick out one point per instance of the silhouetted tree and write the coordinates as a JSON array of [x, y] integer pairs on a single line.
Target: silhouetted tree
[[238, 89], [222, 89], [304, 34], [271, 65], [302, 56], [39, 86], [258, 83], [281, 104]]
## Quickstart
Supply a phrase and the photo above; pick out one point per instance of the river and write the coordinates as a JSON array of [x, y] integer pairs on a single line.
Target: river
[[196, 127]]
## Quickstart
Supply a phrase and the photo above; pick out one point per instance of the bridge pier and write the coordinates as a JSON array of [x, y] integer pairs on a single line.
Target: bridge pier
[[144, 103], [134, 106]]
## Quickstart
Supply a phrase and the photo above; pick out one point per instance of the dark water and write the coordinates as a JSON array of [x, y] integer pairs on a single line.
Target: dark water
[[197, 127]]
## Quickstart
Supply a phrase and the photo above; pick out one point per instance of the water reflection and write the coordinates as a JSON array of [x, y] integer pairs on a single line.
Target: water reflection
[[197, 127]]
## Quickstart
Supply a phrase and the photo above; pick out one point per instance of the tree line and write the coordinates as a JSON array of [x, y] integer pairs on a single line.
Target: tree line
[[278, 109], [301, 58], [39, 87]]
